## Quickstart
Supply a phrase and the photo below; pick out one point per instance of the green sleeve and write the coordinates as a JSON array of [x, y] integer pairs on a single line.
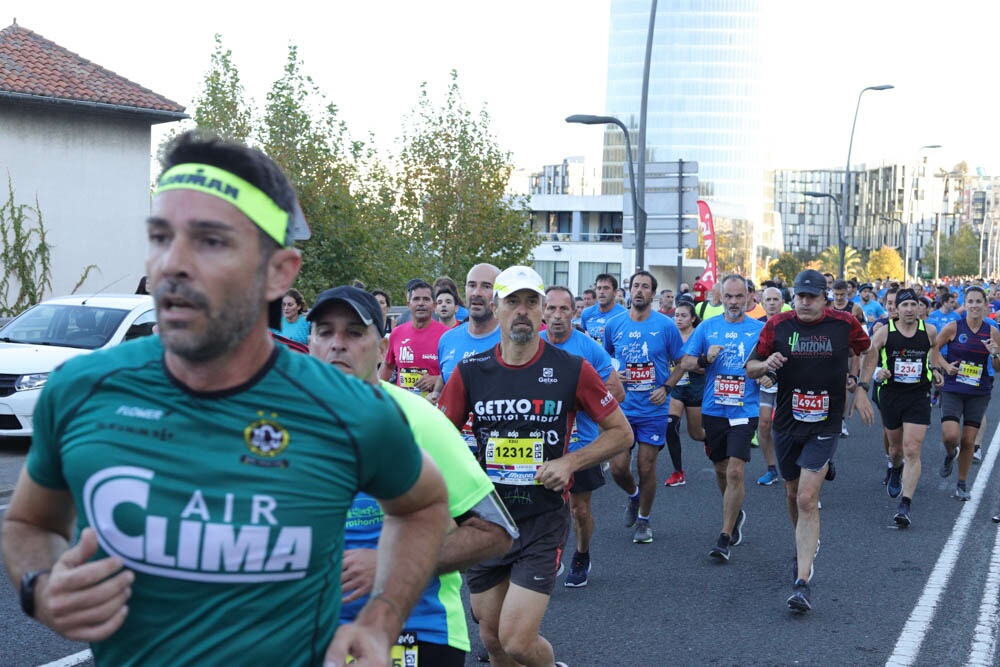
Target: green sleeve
[[390, 459], [467, 483], [44, 462]]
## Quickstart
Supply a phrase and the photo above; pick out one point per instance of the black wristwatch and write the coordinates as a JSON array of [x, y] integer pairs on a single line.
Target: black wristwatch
[[28, 590], [865, 386]]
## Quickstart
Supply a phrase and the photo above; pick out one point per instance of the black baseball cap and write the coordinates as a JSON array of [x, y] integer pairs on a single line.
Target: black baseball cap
[[810, 281], [866, 286], [363, 303]]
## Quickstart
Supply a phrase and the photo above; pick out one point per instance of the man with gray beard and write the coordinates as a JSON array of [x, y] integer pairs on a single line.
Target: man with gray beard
[[524, 395]]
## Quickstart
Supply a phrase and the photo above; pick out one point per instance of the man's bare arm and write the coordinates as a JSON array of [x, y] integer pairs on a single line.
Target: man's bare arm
[[615, 387], [871, 357], [412, 534], [616, 437], [473, 542], [80, 599]]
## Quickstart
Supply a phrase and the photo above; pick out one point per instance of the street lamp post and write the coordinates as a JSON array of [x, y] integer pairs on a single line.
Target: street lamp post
[[840, 232], [638, 206], [847, 175]]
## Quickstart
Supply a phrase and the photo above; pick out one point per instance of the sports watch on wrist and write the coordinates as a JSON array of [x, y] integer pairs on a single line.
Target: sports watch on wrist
[[28, 591]]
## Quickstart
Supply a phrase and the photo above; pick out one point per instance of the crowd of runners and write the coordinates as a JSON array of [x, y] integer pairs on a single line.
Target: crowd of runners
[[184, 488]]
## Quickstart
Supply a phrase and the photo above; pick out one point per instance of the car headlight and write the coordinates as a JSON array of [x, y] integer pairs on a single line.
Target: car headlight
[[31, 381]]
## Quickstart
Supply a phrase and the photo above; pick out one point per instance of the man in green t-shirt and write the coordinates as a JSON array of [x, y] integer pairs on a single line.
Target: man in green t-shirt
[[209, 473], [347, 332]]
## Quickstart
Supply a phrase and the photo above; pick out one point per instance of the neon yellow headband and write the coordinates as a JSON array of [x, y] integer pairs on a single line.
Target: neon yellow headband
[[249, 199]]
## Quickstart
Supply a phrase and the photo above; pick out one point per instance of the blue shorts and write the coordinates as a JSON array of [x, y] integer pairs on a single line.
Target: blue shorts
[[650, 430]]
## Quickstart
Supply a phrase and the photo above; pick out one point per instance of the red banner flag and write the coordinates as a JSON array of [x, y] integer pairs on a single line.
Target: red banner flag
[[707, 229]]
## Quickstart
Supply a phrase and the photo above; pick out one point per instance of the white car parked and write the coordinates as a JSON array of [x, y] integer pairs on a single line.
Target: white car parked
[[41, 338]]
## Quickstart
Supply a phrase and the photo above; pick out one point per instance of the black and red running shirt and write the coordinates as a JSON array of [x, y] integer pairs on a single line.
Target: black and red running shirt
[[812, 383], [522, 416]]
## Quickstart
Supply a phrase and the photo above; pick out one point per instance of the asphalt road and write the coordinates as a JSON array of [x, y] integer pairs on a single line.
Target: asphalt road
[[924, 596]]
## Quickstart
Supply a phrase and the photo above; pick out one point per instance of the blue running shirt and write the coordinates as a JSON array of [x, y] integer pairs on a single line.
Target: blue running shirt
[[728, 391], [581, 345], [644, 351]]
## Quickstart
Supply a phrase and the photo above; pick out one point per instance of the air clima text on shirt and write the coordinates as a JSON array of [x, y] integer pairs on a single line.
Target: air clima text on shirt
[[209, 546]]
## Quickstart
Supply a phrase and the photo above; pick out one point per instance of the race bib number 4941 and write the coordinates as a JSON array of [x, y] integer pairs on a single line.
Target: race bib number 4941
[[809, 406]]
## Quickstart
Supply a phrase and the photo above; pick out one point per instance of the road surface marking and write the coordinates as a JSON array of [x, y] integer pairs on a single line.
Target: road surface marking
[[984, 638], [70, 660], [908, 645]]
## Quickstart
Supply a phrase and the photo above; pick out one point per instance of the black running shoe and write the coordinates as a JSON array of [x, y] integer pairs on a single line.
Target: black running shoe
[[799, 600], [902, 517], [949, 464], [831, 472], [894, 486], [737, 537], [720, 551]]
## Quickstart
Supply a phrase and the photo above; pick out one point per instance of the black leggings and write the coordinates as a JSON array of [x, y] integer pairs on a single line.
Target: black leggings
[[674, 441]]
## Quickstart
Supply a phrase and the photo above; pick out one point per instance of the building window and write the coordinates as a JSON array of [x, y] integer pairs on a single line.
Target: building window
[[552, 272], [590, 270]]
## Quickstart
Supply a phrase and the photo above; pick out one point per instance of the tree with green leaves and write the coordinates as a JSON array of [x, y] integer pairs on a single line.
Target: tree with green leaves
[[438, 212], [223, 106], [959, 253], [829, 259], [786, 267], [452, 176], [885, 262]]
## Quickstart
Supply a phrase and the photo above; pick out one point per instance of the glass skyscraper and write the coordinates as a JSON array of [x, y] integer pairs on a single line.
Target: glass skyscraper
[[704, 105]]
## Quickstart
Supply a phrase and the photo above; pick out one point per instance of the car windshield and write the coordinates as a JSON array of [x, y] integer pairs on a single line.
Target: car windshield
[[85, 327]]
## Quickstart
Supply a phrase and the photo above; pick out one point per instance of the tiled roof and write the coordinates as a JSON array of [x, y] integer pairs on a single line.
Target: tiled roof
[[33, 65]]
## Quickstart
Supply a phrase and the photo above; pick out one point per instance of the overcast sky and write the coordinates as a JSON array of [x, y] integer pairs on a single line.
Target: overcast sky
[[533, 62]]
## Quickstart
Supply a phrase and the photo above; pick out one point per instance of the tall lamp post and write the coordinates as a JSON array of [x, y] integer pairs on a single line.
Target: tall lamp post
[[841, 244], [847, 175], [638, 207]]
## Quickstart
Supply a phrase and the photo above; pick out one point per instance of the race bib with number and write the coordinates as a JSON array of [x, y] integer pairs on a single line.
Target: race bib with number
[[513, 458], [404, 653], [729, 389], [907, 371], [640, 376], [969, 373], [809, 406], [408, 378]]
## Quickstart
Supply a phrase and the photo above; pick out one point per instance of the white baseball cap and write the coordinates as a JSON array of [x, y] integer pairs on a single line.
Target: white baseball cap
[[518, 278]]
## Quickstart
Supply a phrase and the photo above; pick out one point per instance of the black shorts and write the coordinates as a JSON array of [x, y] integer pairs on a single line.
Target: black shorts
[[724, 439], [811, 452], [904, 407], [588, 479], [690, 394], [533, 559]]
